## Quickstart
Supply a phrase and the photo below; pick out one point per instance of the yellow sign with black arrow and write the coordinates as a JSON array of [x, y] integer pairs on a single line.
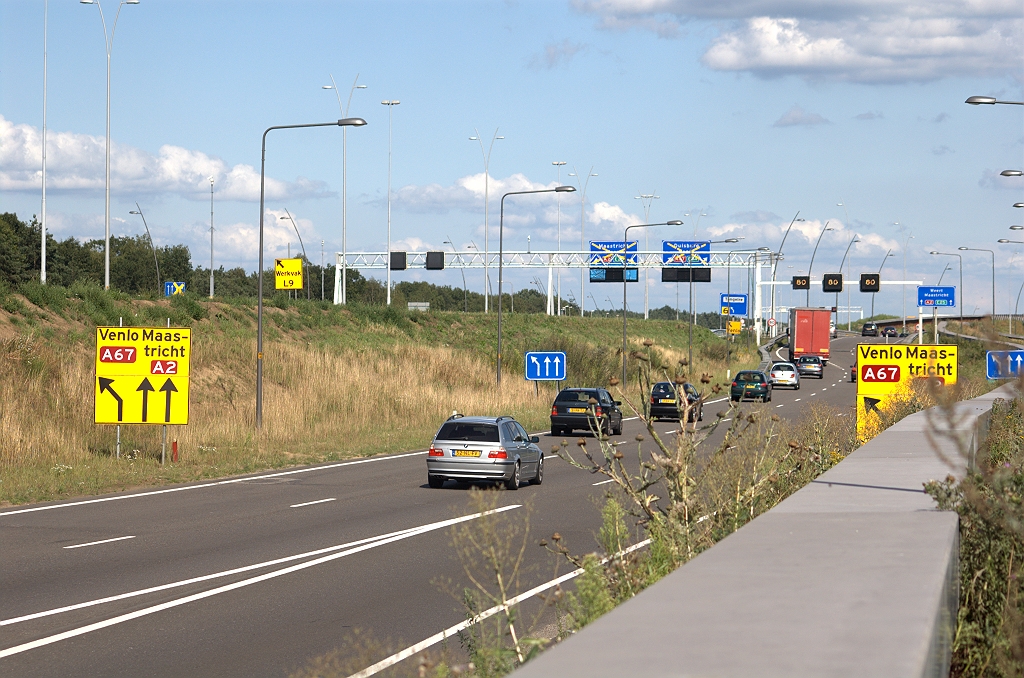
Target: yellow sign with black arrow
[[287, 274], [142, 375]]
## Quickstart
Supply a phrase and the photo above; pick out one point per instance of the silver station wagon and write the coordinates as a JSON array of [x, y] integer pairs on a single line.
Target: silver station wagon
[[494, 449]]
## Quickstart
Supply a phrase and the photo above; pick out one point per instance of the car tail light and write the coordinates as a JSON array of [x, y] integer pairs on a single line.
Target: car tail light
[[435, 452], [597, 411], [499, 453], [554, 411], [734, 383], [652, 400]]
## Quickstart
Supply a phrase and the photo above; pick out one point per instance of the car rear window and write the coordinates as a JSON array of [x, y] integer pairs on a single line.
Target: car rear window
[[782, 368], [749, 377], [663, 388], [576, 396], [477, 433], [810, 359]]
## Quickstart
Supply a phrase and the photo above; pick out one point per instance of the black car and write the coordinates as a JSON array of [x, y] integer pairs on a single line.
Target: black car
[[751, 384], [665, 401], [889, 332], [573, 409], [869, 330]]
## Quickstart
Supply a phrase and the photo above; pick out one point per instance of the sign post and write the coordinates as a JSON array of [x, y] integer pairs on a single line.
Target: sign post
[[142, 375]]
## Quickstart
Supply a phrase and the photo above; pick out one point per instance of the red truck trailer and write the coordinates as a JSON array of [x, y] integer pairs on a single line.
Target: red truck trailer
[[809, 332]]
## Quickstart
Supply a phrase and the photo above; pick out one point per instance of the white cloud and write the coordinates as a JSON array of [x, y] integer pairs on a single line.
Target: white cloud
[[855, 40], [797, 116], [556, 54], [75, 162]]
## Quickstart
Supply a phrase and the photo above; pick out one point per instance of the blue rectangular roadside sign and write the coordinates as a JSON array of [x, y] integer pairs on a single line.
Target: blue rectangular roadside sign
[[929, 297], [1003, 364], [545, 366], [172, 288], [685, 252], [613, 253], [734, 304]]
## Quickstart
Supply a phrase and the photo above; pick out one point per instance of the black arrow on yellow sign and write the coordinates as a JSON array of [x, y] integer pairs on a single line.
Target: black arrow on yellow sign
[[169, 388], [145, 387], [105, 386]]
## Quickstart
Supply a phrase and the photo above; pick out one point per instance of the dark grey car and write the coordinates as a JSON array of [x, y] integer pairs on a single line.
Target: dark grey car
[[484, 448]]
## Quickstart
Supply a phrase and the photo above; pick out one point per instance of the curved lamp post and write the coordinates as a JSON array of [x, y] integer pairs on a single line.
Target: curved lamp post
[[501, 254], [775, 267], [854, 239], [487, 177], [344, 122], [961, 261], [344, 182], [109, 41], [884, 259], [301, 244], [625, 256], [583, 221], [975, 249], [151, 245], [811, 266]]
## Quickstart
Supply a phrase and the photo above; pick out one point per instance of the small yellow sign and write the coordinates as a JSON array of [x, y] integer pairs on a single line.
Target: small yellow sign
[[142, 375], [734, 326], [288, 274], [884, 372]]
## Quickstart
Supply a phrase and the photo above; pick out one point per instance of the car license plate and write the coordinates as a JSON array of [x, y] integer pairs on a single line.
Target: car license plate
[[465, 453], [577, 409], [668, 400], [751, 386]]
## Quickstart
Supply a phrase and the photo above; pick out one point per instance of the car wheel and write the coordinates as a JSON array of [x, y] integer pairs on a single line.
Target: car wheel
[[700, 413], [513, 482], [435, 481], [539, 478], [797, 387], [618, 429], [556, 431]]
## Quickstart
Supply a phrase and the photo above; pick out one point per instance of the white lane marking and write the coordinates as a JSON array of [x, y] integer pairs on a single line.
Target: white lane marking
[[727, 419], [778, 406], [369, 542], [551, 456], [310, 503], [229, 481], [813, 394], [797, 400], [101, 541], [825, 389], [712, 402], [452, 630], [603, 482]]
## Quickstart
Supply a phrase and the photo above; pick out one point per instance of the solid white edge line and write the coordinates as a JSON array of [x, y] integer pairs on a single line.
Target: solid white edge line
[[310, 503], [603, 482], [229, 481], [451, 630], [235, 585], [712, 402], [102, 541]]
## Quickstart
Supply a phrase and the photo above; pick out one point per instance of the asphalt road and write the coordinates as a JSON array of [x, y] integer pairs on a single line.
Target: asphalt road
[[254, 576]]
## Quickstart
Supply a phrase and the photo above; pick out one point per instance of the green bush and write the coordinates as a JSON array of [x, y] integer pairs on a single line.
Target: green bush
[[53, 297]]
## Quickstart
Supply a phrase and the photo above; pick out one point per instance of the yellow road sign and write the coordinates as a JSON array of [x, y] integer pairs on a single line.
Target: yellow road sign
[[885, 374], [734, 326], [142, 375], [287, 274], [141, 400]]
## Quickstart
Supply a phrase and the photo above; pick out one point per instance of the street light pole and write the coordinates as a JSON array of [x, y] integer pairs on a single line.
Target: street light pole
[[501, 253], [487, 178], [646, 200], [811, 266], [301, 244], [625, 261], [390, 103], [109, 40], [344, 182], [854, 239], [151, 245], [356, 122], [211, 237], [42, 246], [884, 259], [583, 201], [960, 259], [558, 207], [775, 267], [462, 270], [975, 249]]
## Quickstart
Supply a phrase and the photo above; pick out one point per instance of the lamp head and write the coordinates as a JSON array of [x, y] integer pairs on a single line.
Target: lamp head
[[732, 240], [360, 86], [87, 2], [765, 249], [674, 222], [565, 189], [974, 101], [1011, 173], [933, 252], [351, 122], [474, 138], [1003, 240], [327, 87], [1018, 204], [134, 212], [1017, 227], [963, 248]]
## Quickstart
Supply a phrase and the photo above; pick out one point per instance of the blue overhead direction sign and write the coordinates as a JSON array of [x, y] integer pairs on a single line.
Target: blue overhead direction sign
[[930, 297], [686, 252], [1003, 364], [545, 366], [734, 304], [613, 253]]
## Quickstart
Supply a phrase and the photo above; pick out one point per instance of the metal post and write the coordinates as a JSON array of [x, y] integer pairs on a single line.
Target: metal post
[[211, 237], [776, 265], [151, 245], [390, 103], [322, 293], [42, 246]]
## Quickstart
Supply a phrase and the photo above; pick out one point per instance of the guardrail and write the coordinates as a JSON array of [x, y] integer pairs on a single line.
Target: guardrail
[[854, 575]]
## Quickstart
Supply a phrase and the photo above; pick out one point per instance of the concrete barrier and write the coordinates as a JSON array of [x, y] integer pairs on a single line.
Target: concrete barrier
[[854, 575]]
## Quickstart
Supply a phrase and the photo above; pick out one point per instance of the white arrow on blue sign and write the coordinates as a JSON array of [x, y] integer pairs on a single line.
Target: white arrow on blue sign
[[1004, 364], [545, 366]]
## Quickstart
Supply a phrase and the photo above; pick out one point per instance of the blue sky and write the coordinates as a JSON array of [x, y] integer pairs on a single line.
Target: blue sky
[[749, 109]]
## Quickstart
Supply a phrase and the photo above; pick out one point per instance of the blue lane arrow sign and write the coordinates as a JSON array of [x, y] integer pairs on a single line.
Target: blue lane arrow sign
[[545, 366], [1004, 364]]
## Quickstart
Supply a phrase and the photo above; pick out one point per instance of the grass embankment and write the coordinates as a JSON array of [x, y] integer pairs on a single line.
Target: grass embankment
[[338, 382]]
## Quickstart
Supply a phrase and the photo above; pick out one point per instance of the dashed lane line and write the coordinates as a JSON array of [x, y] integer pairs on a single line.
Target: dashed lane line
[[603, 482], [310, 503], [101, 541]]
